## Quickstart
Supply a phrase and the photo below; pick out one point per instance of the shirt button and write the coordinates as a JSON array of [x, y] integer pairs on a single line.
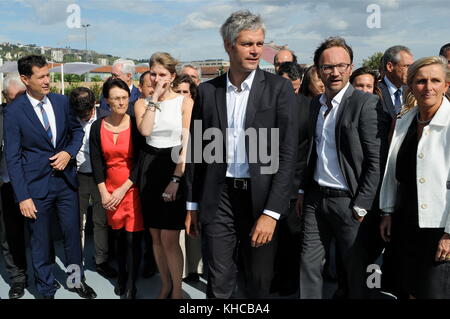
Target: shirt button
[[422, 180], [421, 155], [423, 206]]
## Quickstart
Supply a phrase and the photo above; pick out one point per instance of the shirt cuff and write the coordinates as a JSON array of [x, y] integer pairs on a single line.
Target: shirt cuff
[[271, 214], [191, 206], [301, 191]]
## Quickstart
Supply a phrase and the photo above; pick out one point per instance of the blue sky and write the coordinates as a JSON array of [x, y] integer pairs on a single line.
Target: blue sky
[[189, 29]]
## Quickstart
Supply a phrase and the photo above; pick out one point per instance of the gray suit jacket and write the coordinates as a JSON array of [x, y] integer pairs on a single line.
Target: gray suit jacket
[[361, 142]]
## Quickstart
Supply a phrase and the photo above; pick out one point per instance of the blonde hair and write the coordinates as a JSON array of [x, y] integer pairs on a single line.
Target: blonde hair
[[164, 59], [408, 97]]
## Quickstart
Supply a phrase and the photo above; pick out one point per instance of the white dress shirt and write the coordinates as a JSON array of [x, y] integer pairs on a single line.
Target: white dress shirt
[[47, 105], [83, 156], [237, 162], [327, 171]]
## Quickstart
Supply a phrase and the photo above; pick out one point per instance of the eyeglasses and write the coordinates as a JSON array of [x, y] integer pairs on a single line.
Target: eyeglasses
[[403, 66], [119, 99], [328, 68]]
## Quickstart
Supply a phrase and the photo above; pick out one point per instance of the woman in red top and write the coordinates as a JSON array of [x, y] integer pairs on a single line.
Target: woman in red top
[[114, 145]]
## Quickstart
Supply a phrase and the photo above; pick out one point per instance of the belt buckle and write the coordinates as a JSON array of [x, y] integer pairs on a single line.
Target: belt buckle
[[240, 183]]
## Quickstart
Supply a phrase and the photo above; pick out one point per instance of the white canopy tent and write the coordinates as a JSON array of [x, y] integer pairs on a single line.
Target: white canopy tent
[[73, 68], [8, 67]]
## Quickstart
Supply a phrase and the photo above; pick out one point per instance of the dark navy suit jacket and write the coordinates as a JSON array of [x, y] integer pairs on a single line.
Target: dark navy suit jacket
[[28, 148]]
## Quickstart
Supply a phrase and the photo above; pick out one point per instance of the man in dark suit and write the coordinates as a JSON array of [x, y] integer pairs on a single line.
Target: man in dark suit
[[395, 63], [42, 137], [124, 70], [239, 196], [12, 237], [342, 176]]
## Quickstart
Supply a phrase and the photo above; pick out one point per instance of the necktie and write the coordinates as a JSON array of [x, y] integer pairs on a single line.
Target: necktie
[[46, 121], [398, 102]]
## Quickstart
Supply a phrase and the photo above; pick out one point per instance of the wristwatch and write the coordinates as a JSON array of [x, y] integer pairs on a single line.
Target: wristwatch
[[361, 212]]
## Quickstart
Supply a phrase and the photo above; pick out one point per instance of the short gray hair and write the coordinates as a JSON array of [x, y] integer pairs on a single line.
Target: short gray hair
[[126, 66], [13, 78], [196, 68], [239, 21], [393, 55]]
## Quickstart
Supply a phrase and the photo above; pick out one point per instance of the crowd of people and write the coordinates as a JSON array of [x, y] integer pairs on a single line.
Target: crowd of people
[[170, 170]]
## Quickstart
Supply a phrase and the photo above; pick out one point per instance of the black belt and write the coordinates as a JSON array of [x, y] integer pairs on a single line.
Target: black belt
[[238, 183], [332, 192]]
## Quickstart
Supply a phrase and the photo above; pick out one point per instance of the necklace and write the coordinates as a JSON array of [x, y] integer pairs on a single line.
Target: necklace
[[422, 122]]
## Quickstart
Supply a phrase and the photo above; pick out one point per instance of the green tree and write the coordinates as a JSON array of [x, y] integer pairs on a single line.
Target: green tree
[[97, 89], [374, 61], [96, 78], [221, 70]]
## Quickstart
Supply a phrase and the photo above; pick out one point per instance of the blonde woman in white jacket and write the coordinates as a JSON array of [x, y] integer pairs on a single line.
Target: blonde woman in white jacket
[[415, 193]]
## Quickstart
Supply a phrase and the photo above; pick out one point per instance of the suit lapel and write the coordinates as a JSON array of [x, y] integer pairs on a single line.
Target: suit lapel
[[387, 99], [254, 98], [340, 114], [59, 118], [221, 103], [31, 114]]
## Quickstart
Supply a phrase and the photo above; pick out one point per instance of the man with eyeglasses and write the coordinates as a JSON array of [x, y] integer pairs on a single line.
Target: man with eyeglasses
[[339, 186], [395, 63]]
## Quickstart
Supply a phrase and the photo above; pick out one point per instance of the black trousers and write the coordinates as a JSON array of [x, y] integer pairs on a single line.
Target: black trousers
[[229, 249], [88, 190], [287, 260], [12, 237], [323, 217]]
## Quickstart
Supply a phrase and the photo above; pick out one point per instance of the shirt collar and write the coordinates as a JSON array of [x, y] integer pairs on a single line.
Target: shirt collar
[[246, 85], [35, 102], [336, 100], [391, 87]]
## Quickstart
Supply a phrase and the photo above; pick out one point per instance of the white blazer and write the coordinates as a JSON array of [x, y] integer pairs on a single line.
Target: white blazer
[[433, 169]]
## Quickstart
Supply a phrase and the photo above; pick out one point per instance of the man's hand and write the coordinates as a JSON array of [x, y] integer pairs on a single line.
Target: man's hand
[[299, 204], [59, 161], [28, 209], [357, 217], [192, 223], [443, 250], [262, 231], [385, 228]]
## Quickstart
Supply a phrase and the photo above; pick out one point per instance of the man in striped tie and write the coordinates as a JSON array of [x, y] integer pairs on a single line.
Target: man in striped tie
[[42, 137]]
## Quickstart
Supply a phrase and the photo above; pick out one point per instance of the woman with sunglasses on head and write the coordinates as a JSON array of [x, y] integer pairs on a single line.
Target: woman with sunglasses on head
[[162, 119]]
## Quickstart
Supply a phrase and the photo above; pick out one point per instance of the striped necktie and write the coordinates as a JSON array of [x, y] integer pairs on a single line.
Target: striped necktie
[[47, 128]]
